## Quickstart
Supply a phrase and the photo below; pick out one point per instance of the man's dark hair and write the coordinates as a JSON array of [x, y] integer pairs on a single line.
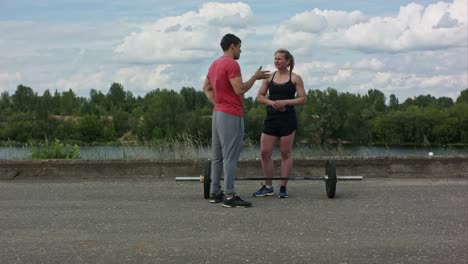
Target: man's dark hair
[[229, 39]]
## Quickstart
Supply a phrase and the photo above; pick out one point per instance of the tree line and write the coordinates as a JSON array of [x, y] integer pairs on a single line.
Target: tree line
[[329, 116]]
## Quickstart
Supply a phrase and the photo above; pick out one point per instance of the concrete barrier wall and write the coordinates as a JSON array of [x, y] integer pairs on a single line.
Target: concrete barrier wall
[[370, 167]]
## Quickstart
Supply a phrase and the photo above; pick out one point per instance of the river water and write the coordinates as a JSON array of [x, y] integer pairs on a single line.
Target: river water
[[249, 152]]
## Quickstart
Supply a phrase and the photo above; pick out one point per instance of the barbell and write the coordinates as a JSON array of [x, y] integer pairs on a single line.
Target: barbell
[[330, 178]]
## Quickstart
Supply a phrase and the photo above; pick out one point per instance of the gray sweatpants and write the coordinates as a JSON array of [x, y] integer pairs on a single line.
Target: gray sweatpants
[[227, 136]]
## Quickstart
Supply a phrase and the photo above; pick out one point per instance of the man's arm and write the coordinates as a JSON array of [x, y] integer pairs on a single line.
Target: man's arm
[[241, 88], [208, 90]]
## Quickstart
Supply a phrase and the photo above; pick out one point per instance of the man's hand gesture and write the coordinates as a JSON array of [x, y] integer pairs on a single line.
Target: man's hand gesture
[[259, 74]]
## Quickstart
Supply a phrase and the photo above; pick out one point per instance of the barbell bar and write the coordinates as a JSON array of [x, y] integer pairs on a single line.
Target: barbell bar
[[201, 178], [330, 178]]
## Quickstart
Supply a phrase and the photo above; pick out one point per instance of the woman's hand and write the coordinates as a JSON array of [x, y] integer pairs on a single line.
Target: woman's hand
[[279, 105]]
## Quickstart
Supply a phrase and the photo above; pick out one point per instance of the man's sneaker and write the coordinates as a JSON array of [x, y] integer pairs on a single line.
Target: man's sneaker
[[264, 191], [283, 193], [235, 201], [217, 198]]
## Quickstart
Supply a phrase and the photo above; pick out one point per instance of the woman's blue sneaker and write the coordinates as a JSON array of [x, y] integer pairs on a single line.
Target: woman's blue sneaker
[[264, 191], [283, 193]]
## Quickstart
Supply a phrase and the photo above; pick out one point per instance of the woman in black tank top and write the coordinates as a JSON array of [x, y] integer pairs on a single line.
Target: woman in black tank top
[[285, 90], [281, 91]]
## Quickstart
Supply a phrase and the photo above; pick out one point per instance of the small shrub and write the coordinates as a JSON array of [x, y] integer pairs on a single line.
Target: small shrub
[[54, 150]]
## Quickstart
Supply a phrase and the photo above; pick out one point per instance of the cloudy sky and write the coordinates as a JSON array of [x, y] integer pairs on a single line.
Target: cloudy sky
[[407, 48]]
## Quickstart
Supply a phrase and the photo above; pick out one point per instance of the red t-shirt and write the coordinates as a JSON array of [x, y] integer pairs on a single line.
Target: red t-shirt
[[226, 100]]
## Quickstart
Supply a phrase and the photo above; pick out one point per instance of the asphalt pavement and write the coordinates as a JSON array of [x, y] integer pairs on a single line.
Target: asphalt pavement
[[161, 221]]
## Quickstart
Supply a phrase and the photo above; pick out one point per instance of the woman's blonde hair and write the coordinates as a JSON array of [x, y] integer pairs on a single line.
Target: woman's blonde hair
[[287, 56]]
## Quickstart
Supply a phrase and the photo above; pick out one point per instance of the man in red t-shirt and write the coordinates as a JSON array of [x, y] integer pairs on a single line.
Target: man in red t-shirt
[[224, 88]]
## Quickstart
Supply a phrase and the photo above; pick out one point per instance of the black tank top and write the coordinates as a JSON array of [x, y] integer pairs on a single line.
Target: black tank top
[[281, 91]]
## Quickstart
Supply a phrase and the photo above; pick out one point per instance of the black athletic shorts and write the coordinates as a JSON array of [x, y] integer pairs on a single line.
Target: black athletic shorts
[[280, 125]]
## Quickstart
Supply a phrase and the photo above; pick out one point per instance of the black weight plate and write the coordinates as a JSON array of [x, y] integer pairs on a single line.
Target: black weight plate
[[207, 179], [330, 183]]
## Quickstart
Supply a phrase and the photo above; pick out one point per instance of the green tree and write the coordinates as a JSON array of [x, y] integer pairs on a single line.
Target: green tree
[[321, 119], [97, 98], [425, 100], [193, 99], [5, 101], [130, 102], [116, 95], [69, 103], [107, 130], [254, 122], [136, 122], [55, 104], [190, 98], [97, 104], [375, 101], [68, 130], [43, 105], [249, 103], [90, 128], [463, 97], [353, 127], [198, 124], [460, 113], [163, 114], [444, 102], [446, 131], [388, 128], [393, 104], [408, 102], [121, 122], [24, 99], [21, 128]]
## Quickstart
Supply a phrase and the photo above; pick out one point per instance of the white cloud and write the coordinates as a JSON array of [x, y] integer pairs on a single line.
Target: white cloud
[[414, 84], [416, 27], [365, 64], [144, 80], [188, 37], [419, 49], [309, 22], [361, 76], [305, 29], [82, 83], [140, 80], [156, 78], [317, 68], [9, 80]]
